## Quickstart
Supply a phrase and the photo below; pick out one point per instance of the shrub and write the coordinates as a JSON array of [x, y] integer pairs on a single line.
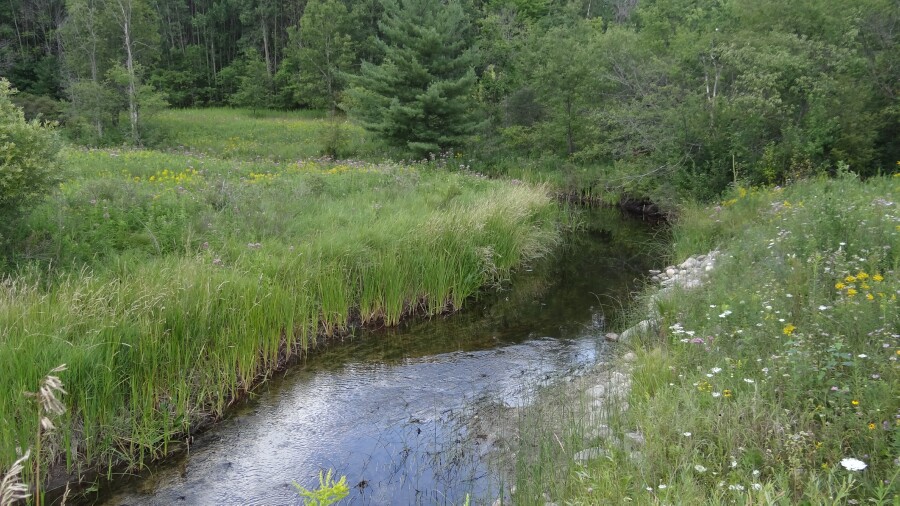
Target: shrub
[[28, 160]]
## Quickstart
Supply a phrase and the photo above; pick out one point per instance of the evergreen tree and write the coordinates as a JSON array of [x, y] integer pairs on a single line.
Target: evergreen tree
[[420, 97]]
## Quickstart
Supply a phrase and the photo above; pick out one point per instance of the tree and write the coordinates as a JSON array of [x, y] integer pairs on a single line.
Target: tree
[[254, 86], [28, 160], [420, 98], [325, 52]]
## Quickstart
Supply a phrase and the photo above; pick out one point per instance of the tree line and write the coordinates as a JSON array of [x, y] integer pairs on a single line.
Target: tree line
[[671, 94]]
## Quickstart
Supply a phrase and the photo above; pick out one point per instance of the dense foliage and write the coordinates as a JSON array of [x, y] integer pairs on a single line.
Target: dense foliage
[[28, 167], [694, 94]]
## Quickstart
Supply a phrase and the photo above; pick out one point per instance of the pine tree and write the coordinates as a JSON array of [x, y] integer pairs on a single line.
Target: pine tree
[[420, 97]]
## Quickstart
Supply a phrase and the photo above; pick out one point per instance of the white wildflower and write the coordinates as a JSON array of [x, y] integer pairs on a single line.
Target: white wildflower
[[699, 468], [852, 464]]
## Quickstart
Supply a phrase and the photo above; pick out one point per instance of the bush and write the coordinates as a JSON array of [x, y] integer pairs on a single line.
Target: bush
[[28, 160]]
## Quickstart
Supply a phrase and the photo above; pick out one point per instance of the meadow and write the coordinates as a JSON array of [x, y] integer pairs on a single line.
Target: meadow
[[262, 135], [171, 283], [774, 383]]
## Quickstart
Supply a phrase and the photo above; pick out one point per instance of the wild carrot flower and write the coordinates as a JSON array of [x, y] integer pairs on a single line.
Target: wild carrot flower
[[852, 464]]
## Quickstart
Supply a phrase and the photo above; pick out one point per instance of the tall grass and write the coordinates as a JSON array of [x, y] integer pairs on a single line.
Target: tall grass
[[170, 284], [794, 386]]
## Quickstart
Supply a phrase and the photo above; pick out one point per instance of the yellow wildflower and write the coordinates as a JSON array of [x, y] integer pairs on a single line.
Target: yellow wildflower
[[851, 292], [854, 402], [839, 286], [877, 278], [865, 286], [850, 278], [726, 392], [861, 275], [871, 426], [789, 329], [869, 296]]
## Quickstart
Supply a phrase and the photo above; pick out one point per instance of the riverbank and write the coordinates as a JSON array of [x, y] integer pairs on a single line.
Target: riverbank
[[774, 380], [170, 284]]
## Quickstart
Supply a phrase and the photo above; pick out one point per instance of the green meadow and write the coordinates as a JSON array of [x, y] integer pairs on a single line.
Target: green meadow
[[171, 283], [263, 134]]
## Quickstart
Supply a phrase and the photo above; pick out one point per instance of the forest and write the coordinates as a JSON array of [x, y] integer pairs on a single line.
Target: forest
[[656, 99]]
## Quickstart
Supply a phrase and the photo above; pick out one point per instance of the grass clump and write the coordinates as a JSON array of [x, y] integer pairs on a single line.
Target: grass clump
[[775, 382], [170, 284]]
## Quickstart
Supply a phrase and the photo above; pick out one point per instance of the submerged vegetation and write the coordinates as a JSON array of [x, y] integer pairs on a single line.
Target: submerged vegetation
[[775, 383]]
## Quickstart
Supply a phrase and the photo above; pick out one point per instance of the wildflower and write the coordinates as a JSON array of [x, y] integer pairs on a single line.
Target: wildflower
[[789, 329], [717, 394], [725, 313], [851, 292], [749, 381], [662, 486], [687, 434], [716, 370], [739, 488], [871, 426], [862, 355], [869, 296], [726, 393], [852, 464], [854, 402], [823, 308], [699, 468], [755, 473], [850, 278], [839, 286], [877, 278], [757, 486]]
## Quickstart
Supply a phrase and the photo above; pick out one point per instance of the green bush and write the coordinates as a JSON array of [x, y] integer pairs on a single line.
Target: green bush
[[28, 160]]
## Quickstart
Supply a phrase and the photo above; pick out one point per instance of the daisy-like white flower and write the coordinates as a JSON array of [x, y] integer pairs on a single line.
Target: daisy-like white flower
[[687, 434], [757, 486], [852, 464], [699, 468], [716, 370]]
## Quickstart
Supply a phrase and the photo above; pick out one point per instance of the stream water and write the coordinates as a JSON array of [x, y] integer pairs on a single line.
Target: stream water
[[391, 410]]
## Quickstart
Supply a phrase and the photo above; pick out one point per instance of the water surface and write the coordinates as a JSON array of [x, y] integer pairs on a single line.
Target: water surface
[[393, 410]]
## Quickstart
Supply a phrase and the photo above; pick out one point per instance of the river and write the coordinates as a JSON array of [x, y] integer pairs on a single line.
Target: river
[[392, 410]]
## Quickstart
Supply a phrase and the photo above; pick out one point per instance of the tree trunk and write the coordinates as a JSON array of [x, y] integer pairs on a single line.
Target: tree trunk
[[265, 34], [129, 67]]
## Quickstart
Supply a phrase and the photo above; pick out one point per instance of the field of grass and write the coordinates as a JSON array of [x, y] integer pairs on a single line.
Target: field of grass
[[776, 382], [170, 283], [261, 135]]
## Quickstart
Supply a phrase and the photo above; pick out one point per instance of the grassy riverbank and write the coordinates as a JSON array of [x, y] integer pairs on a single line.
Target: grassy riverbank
[[171, 283], [762, 383]]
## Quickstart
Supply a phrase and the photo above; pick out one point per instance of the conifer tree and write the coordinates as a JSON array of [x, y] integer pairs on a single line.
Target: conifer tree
[[420, 97]]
